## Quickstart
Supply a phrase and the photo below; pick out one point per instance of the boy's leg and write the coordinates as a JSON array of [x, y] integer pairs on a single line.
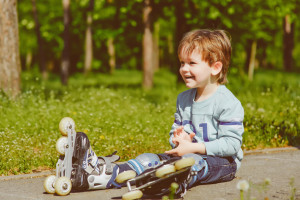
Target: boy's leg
[[219, 170], [208, 169], [145, 161], [141, 163]]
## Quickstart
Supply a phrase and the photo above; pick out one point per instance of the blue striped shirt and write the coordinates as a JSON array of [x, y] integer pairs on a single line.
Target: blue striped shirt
[[216, 121]]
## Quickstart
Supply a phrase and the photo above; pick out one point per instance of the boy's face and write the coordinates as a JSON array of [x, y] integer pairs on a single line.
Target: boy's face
[[195, 72]]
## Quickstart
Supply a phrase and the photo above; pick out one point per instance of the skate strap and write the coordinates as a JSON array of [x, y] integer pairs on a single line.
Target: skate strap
[[108, 163], [112, 157], [112, 182]]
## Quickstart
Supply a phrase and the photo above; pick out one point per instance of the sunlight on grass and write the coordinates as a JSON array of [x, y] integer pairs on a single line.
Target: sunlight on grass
[[119, 116]]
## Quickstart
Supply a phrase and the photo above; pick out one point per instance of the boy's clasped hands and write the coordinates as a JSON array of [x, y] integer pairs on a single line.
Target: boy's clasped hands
[[183, 142]]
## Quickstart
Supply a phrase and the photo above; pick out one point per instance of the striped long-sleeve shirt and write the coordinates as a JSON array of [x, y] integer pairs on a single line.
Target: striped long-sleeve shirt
[[216, 121]]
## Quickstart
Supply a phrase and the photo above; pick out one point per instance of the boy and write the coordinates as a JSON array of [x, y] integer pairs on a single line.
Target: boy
[[209, 119], [208, 122]]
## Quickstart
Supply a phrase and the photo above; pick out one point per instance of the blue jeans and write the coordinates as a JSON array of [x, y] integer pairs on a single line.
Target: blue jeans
[[219, 169]]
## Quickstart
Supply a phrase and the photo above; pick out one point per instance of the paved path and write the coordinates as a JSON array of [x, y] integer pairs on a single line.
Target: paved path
[[278, 165]]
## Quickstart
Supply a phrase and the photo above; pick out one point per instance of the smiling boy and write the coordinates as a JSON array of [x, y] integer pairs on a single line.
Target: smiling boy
[[208, 118]]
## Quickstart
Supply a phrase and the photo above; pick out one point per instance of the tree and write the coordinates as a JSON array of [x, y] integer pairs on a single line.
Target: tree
[[288, 43], [88, 39], [156, 46], [10, 65], [40, 52], [147, 46], [181, 28], [65, 64], [111, 38]]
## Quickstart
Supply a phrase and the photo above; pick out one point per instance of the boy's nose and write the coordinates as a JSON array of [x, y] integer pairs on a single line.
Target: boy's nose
[[185, 67]]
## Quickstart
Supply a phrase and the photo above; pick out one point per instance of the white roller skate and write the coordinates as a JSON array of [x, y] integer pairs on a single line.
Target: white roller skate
[[78, 167], [156, 181]]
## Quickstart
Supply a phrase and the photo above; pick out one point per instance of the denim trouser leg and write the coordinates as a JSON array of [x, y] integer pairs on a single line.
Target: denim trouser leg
[[219, 170]]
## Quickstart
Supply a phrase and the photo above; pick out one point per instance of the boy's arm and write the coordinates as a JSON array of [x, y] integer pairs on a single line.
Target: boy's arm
[[177, 123], [230, 132]]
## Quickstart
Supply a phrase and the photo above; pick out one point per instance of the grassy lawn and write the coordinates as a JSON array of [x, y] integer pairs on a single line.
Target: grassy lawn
[[119, 116]]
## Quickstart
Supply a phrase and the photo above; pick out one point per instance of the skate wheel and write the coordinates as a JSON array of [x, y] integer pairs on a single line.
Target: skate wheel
[[63, 186], [125, 176], [61, 144], [49, 184], [65, 124], [165, 170], [136, 194], [184, 162]]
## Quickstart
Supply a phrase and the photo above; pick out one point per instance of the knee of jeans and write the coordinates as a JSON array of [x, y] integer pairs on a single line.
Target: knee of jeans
[[144, 162], [199, 161], [227, 177]]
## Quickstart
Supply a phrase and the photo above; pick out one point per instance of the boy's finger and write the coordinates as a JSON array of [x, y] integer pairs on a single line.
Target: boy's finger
[[176, 132], [173, 151], [192, 135], [176, 140], [168, 152]]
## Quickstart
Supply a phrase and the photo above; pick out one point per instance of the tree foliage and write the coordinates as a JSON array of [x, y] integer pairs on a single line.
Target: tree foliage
[[122, 21]]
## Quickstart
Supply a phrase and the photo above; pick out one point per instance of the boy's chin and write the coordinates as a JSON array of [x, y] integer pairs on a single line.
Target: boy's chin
[[190, 85]]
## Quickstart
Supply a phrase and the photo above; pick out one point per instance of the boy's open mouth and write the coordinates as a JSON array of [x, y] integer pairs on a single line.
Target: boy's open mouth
[[189, 77]]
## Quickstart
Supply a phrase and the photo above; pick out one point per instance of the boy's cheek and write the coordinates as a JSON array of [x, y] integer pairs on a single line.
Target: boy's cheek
[[181, 73]]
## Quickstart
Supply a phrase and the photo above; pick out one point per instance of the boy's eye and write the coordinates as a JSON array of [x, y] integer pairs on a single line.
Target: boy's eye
[[192, 63]]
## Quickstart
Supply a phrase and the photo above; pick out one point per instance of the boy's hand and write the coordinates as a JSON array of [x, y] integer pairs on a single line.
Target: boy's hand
[[185, 146], [180, 133]]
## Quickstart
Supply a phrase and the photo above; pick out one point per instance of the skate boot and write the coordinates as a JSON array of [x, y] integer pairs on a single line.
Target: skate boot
[[89, 171], [156, 181], [78, 167]]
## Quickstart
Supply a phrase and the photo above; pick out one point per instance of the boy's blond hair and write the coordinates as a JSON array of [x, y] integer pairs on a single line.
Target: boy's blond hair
[[213, 45]]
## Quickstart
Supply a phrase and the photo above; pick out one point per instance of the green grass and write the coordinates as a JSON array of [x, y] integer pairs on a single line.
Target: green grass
[[271, 104], [118, 115]]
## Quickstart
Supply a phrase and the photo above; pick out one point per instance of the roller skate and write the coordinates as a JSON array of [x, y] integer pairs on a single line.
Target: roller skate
[[157, 181], [78, 167]]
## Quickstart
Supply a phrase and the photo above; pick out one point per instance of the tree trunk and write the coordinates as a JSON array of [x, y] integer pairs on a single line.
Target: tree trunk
[[156, 46], [112, 51], [252, 60], [112, 55], [248, 55], [40, 52], [28, 60], [65, 64], [89, 40], [10, 64], [147, 46], [288, 43], [181, 28]]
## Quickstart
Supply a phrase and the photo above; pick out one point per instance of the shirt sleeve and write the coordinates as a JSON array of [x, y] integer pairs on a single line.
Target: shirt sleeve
[[230, 131], [176, 124]]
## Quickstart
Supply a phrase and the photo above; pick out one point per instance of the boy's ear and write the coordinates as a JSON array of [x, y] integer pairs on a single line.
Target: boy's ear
[[216, 68]]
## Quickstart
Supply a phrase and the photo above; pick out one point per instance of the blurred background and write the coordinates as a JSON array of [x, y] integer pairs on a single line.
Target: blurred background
[[64, 36]]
